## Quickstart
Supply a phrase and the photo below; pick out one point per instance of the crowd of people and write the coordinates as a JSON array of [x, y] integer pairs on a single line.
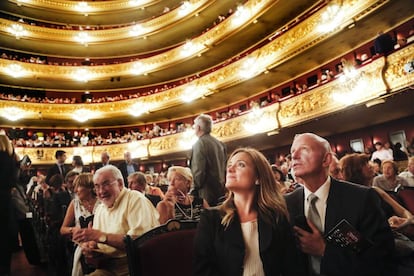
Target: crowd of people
[[254, 218]]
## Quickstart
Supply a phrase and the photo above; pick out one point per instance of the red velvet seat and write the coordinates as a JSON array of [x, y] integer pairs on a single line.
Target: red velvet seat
[[165, 250]]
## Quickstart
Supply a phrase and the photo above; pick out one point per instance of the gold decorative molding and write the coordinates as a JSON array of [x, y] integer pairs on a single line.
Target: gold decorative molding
[[395, 76], [93, 7], [107, 35]]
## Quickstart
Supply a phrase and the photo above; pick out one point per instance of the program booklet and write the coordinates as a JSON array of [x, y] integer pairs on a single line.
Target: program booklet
[[345, 235]]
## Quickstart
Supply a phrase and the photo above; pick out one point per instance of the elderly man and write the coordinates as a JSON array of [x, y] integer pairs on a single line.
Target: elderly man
[[409, 173], [105, 157], [123, 212], [128, 167], [325, 202], [208, 162]]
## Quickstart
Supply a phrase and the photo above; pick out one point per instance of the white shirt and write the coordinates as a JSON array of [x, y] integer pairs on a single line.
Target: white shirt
[[322, 194], [382, 155], [409, 176]]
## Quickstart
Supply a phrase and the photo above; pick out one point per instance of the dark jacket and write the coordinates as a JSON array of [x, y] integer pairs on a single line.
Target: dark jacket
[[360, 206], [208, 166], [123, 168], [220, 251], [55, 170]]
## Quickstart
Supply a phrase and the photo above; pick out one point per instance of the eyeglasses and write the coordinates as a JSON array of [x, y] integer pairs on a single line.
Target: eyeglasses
[[104, 185]]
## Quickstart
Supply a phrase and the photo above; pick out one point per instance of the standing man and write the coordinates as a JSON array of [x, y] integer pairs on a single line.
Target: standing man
[[105, 157], [128, 167], [59, 167], [123, 212], [326, 201], [208, 162]]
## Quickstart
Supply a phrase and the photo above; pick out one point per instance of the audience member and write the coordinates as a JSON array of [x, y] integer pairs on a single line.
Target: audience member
[[384, 43], [356, 169], [389, 180], [376, 166], [208, 161], [128, 167], [56, 202], [77, 164], [105, 157], [178, 204], [381, 153], [59, 167], [335, 201], [137, 181], [408, 174], [280, 179], [79, 214], [68, 184], [249, 234], [398, 153], [334, 168], [123, 212], [8, 176]]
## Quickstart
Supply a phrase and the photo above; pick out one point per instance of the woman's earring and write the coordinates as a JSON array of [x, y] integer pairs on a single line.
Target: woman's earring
[[256, 182]]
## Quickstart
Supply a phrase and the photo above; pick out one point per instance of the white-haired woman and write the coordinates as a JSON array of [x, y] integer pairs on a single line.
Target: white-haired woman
[[178, 204]]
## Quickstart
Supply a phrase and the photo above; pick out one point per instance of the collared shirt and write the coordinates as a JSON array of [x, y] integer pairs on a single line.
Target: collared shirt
[[130, 168], [131, 214], [409, 176], [322, 194]]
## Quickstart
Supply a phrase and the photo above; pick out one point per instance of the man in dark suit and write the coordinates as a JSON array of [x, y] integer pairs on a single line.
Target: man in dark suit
[[208, 162], [59, 168], [128, 167], [335, 200]]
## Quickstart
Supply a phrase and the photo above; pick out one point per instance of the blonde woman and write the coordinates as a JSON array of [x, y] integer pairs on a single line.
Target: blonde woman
[[80, 213], [249, 234], [178, 203]]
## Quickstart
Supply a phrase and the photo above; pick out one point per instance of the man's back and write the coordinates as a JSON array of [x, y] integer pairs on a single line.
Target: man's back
[[208, 166]]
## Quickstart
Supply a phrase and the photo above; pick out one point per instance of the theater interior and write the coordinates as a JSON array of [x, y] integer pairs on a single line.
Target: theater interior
[[265, 70]]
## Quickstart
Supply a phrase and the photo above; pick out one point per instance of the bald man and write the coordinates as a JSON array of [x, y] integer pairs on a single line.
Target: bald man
[[335, 201]]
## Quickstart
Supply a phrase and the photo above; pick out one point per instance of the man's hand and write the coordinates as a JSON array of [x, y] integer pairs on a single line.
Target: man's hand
[[88, 234], [311, 243]]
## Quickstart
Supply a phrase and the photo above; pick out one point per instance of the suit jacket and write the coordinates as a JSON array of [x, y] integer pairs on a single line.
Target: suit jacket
[[220, 251], [123, 168], [55, 170], [208, 166], [361, 207]]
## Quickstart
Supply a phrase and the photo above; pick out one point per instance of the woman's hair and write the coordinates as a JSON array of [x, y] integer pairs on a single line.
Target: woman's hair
[[84, 180], [352, 165], [393, 164], [140, 178], [56, 181], [270, 202], [78, 160], [183, 171], [6, 145]]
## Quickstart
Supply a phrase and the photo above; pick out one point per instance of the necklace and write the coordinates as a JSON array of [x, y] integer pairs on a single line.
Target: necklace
[[183, 212], [88, 205]]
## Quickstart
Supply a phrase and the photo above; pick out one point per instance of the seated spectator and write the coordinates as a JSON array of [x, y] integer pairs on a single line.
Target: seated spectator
[[249, 234], [137, 181], [408, 174], [383, 44], [79, 214], [376, 166], [356, 169], [280, 179], [389, 180], [178, 203], [398, 153], [381, 153], [123, 212]]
